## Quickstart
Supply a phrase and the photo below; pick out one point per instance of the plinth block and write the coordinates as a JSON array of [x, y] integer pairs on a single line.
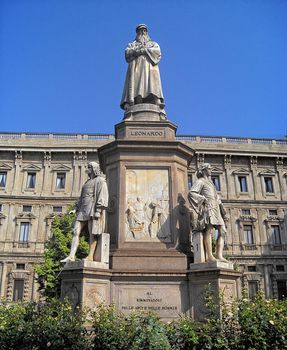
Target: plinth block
[[145, 112], [219, 281], [164, 293], [151, 130]]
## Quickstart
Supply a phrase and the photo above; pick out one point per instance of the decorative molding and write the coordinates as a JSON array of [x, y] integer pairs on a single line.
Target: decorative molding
[[241, 171], [5, 167], [61, 168], [18, 155], [267, 172], [227, 161], [27, 217], [47, 156], [2, 217], [31, 167], [216, 171], [246, 219], [80, 156]]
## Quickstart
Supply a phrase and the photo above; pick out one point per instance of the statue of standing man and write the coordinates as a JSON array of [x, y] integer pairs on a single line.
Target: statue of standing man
[[143, 84], [91, 211], [209, 211]]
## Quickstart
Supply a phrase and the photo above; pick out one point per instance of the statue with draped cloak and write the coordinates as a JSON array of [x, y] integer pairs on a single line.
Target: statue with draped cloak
[[142, 84]]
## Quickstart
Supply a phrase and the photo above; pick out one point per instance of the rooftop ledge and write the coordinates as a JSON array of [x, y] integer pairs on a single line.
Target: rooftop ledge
[[192, 138]]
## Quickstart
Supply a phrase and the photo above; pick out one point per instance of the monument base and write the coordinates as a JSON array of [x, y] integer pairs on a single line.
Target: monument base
[[169, 294], [215, 278], [164, 293]]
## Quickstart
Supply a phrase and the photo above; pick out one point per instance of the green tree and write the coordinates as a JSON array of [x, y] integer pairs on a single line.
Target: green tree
[[57, 248]]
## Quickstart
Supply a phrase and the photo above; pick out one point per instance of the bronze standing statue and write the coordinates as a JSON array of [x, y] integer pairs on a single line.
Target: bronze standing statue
[[91, 211], [209, 211]]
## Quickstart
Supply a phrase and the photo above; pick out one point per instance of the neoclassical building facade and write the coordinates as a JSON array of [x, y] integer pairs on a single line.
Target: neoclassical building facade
[[41, 174]]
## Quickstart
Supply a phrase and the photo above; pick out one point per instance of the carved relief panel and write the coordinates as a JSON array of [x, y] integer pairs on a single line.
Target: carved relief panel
[[147, 213]]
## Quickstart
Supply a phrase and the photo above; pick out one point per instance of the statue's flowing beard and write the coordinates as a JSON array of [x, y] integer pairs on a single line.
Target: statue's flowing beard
[[143, 38]]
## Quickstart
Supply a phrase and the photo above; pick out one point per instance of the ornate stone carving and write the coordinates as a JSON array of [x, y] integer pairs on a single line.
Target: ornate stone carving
[[147, 210]]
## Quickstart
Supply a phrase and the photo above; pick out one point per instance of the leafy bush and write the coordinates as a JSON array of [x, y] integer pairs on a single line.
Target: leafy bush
[[182, 334], [115, 331], [245, 325], [263, 323], [40, 326]]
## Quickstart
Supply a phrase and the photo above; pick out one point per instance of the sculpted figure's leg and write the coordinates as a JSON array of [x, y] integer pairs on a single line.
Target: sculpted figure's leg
[[79, 225], [220, 243], [93, 243], [207, 241]]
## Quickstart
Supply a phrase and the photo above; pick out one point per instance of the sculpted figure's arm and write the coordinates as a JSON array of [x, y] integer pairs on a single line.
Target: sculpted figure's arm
[[196, 199], [153, 52], [132, 52], [101, 198]]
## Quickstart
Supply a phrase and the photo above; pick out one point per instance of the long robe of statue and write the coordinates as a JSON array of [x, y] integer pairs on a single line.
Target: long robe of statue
[[142, 84]]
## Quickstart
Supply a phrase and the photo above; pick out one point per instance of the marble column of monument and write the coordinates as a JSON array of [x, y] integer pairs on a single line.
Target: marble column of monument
[[146, 170]]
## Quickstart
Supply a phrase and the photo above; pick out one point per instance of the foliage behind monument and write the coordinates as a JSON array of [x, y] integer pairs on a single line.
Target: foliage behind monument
[[56, 248]]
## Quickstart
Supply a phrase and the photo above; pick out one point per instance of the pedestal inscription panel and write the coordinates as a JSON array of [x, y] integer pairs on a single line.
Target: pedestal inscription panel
[[168, 300], [148, 205]]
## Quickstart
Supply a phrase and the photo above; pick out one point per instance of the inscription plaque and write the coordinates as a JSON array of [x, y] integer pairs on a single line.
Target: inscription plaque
[[165, 300], [144, 133]]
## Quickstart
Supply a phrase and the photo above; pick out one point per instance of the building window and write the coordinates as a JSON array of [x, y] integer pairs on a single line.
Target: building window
[[216, 181], [252, 289], [3, 177], [27, 208], [245, 212], [60, 180], [280, 268], [18, 292], [189, 181], [242, 183], [251, 268], [276, 237], [1, 208], [20, 266], [272, 212], [268, 184], [57, 209], [24, 231], [282, 289], [248, 234], [31, 180]]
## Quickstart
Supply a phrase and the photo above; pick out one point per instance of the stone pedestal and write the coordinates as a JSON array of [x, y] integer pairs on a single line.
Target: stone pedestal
[[216, 278], [150, 250], [146, 171], [164, 293]]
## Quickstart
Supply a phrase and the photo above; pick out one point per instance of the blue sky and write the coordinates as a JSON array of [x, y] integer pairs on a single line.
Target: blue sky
[[223, 67]]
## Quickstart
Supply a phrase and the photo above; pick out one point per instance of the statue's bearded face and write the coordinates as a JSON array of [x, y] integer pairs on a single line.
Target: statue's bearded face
[[142, 36]]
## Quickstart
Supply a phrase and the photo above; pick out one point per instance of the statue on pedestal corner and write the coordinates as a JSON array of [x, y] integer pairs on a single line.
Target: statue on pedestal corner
[[90, 211], [143, 84], [208, 213]]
